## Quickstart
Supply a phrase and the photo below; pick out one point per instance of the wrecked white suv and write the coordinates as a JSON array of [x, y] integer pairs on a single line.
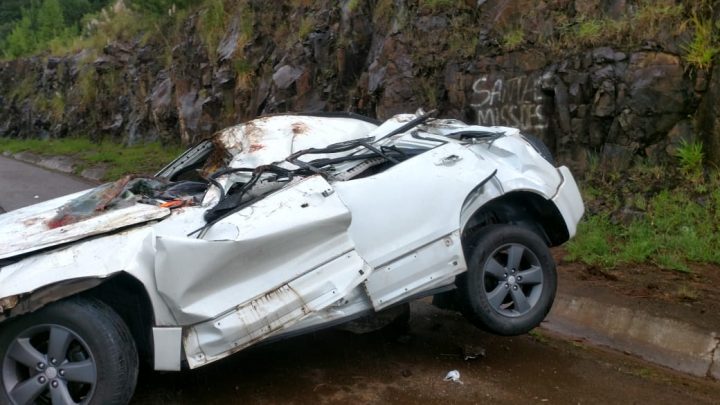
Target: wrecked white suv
[[279, 226]]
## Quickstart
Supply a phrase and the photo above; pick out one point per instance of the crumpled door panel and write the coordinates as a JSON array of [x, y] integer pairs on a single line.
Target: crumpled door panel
[[278, 239]]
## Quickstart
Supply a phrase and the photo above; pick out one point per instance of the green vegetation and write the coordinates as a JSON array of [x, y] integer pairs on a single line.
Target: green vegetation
[[705, 43], [438, 4], [670, 226], [691, 156], [590, 31], [307, 24], [513, 39], [120, 160], [213, 21], [352, 5], [650, 20], [31, 26], [61, 26]]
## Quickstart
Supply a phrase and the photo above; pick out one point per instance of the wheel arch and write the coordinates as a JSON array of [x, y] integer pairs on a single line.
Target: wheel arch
[[524, 208], [122, 292], [127, 296]]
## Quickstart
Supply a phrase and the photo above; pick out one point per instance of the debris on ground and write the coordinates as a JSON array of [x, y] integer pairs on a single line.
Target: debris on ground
[[453, 376], [470, 352]]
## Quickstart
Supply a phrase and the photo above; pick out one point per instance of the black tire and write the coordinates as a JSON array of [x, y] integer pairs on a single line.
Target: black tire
[[495, 277], [540, 147], [99, 362]]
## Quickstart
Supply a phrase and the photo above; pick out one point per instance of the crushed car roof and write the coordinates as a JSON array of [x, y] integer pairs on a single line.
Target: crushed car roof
[[272, 147]]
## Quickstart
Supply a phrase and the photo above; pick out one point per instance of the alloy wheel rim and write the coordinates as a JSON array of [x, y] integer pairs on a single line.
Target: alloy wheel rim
[[49, 364], [512, 280]]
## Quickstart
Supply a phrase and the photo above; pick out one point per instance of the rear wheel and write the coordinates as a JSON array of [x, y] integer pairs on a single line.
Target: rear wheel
[[71, 352], [511, 281]]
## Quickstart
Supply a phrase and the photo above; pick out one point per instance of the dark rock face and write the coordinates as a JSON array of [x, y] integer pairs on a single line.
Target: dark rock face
[[708, 118], [614, 105]]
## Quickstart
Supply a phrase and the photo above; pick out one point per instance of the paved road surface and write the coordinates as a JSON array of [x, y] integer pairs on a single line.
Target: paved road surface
[[336, 367], [23, 184]]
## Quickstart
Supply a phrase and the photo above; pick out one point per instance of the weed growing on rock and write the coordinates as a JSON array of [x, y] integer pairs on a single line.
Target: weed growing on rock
[[690, 155], [513, 39], [590, 31], [435, 5], [213, 21], [705, 43], [307, 24], [648, 20]]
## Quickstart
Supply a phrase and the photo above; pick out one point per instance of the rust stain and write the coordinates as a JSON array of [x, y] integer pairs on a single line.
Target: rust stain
[[66, 216], [113, 191], [253, 134], [8, 303], [31, 221], [256, 147], [61, 221], [217, 159], [299, 128]]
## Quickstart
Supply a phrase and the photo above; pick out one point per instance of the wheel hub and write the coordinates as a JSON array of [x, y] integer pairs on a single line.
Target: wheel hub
[[47, 363], [51, 373], [513, 279]]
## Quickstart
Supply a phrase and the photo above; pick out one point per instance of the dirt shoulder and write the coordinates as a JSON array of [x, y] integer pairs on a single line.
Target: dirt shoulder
[[693, 297]]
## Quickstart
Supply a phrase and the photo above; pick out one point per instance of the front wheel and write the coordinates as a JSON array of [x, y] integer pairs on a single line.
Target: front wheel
[[510, 283], [76, 351]]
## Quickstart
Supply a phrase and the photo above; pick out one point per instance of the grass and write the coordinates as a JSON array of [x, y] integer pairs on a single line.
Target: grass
[[513, 39], [54, 104], [213, 21], [705, 43], [307, 25], [120, 160], [676, 230], [676, 221], [435, 5], [590, 31], [650, 20], [690, 155]]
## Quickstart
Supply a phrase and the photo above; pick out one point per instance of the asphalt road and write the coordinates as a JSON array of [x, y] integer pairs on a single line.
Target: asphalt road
[[337, 367], [24, 184]]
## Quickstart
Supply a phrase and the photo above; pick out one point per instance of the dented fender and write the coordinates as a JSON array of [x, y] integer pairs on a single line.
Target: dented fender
[[131, 251]]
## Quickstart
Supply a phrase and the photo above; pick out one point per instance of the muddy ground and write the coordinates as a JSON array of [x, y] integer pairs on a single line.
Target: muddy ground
[[691, 297], [334, 367]]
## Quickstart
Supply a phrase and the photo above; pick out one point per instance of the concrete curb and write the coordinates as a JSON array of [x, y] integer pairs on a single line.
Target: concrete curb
[[63, 164], [667, 342]]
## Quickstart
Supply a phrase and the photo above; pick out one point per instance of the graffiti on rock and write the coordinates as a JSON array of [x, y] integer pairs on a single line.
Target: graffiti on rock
[[515, 102]]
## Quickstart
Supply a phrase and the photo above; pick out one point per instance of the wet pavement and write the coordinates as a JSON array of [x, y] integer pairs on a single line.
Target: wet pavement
[[334, 367], [23, 184]]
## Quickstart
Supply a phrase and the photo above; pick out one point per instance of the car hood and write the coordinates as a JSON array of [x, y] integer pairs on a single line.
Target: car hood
[[36, 227]]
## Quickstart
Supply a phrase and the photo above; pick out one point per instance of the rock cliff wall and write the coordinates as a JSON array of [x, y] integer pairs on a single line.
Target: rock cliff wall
[[530, 64]]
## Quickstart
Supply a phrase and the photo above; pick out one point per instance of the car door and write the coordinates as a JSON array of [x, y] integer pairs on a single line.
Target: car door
[[260, 270], [406, 220]]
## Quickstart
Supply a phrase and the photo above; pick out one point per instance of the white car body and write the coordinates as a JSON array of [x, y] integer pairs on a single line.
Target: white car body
[[316, 250]]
